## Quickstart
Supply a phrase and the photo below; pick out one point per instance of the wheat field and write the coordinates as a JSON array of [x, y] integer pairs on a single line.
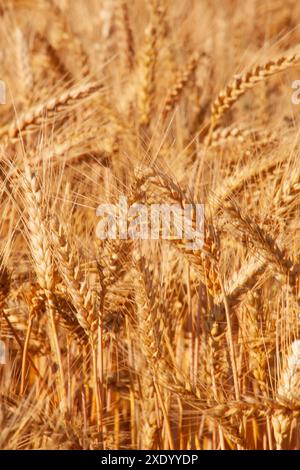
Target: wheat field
[[149, 344]]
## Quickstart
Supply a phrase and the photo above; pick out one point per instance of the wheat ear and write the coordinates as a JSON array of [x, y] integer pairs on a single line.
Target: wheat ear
[[41, 253], [147, 76], [36, 115], [287, 391], [25, 74], [70, 272], [242, 83], [180, 83]]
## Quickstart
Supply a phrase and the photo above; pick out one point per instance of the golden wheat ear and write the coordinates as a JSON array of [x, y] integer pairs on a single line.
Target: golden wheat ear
[[43, 112], [287, 393], [245, 82]]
